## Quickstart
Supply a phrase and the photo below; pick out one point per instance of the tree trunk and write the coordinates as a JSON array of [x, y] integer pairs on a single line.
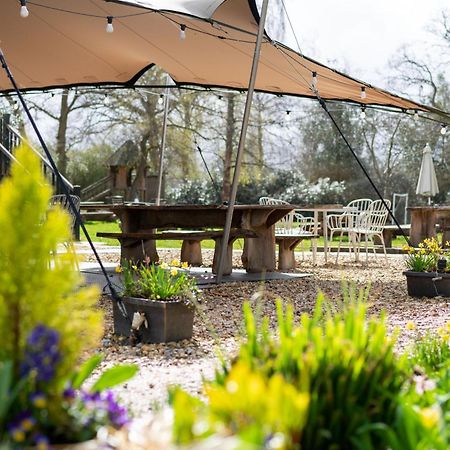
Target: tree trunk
[[228, 147], [61, 144]]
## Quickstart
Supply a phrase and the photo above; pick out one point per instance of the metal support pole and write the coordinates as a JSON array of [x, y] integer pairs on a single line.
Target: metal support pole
[[163, 144], [240, 151]]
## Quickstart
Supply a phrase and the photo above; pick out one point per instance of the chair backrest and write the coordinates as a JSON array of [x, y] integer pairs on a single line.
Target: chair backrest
[[272, 201], [376, 216], [63, 202], [360, 204]]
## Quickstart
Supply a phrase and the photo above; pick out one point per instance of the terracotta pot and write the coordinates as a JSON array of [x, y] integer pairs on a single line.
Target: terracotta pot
[[427, 284], [167, 320]]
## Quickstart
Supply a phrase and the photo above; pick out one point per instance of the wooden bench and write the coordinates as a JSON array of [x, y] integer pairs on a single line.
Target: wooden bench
[[391, 231], [287, 241], [133, 245]]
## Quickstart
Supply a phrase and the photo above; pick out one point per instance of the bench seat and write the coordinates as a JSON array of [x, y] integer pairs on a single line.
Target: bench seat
[[287, 242], [133, 248]]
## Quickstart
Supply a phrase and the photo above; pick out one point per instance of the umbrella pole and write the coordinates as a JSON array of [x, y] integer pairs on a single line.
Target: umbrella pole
[[237, 167]]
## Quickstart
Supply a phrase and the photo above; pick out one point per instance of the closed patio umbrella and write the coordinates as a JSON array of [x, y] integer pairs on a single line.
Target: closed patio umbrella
[[427, 184]]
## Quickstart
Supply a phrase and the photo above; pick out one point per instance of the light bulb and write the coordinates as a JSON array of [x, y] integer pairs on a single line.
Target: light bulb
[[161, 99], [23, 9], [443, 129], [182, 32], [363, 92], [314, 79], [109, 25], [363, 113], [416, 115]]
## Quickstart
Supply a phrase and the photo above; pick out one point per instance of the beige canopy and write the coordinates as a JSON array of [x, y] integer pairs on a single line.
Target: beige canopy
[[64, 43]]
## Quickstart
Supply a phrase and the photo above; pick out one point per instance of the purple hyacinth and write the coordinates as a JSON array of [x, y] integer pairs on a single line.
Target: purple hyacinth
[[41, 353], [118, 415]]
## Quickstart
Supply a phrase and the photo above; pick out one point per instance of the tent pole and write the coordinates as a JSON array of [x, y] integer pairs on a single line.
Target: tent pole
[[240, 151], [163, 144], [114, 295]]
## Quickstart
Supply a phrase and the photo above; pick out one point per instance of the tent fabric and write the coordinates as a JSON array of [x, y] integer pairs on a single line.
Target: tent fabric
[[63, 43]]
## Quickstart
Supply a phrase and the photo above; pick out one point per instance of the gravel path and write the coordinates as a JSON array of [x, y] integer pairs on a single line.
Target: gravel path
[[185, 363]]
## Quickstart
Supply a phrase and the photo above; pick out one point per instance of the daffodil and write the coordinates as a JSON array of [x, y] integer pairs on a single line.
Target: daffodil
[[184, 265], [410, 326], [164, 265], [175, 263], [118, 269], [429, 417], [174, 272]]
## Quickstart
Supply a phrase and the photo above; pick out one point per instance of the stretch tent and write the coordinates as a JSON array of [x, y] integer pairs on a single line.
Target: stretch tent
[[211, 43]]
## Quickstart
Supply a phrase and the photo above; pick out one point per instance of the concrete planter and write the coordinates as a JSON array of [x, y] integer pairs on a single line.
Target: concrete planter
[[427, 284], [167, 320]]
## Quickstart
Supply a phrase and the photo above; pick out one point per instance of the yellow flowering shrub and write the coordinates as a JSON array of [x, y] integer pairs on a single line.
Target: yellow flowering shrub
[[157, 282], [38, 285], [425, 258]]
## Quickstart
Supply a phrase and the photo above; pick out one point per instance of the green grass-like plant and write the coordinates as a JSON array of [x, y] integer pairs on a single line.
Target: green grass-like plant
[[342, 364]]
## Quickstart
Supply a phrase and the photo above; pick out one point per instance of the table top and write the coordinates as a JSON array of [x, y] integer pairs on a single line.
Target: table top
[[429, 208], [135, 216]]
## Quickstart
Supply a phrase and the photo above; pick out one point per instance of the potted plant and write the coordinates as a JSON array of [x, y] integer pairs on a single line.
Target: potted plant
[[428, 273], [159, 300]]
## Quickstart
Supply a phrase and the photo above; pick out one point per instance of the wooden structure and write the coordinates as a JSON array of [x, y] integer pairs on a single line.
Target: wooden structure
[[424, 220], [123, 167], [255, 223]]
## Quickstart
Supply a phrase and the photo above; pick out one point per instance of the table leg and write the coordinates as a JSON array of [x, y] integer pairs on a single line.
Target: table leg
[[423, 225], [191, 252], [138, 250], [259, 253], [325, 235], [316, 233]]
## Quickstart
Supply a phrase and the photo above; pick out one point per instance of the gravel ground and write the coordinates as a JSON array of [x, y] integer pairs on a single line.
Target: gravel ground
[[185, 363]]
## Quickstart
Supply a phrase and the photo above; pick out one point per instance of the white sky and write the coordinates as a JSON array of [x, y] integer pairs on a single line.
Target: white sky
[[362, 35]]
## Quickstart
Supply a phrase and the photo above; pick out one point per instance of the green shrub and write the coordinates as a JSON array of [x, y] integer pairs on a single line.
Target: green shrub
[[342, 365], [47, 321]]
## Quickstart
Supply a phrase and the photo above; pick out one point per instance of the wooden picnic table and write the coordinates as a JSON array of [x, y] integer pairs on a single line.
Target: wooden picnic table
[[424, 220], [259, 251]]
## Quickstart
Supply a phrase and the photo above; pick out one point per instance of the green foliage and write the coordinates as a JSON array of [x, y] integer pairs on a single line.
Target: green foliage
[[286, 185], [48, 320], [89, 165], [37, 285], [330, 382], [158, 282], [432, 351], [426, 257]]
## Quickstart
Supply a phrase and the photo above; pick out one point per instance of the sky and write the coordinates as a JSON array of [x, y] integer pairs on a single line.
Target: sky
[[362, 35]]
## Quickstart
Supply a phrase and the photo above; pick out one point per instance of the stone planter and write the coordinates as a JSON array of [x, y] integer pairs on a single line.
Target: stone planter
[[167, 320], [427, 284]]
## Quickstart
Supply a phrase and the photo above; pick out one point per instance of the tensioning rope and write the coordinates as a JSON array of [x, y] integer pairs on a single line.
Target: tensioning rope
[[113, 292]]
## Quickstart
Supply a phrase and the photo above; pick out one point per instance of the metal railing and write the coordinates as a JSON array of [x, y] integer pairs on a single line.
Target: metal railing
[[94, 189]]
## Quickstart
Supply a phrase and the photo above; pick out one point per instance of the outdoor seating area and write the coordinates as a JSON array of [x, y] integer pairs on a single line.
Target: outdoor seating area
[[212, 241]]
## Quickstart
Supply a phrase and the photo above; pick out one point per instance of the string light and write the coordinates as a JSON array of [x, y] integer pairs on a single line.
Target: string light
[[443, 129], [314, 80], [288, 112], [23, 9], [109, 24], [161, 99], [182, 32], [416, 115], [362, 115], [363, 92]]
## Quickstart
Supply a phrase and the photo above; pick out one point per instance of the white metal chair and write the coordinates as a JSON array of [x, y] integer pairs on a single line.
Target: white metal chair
[[293, 227], [372, 224], [343, 223], [62, 201]]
